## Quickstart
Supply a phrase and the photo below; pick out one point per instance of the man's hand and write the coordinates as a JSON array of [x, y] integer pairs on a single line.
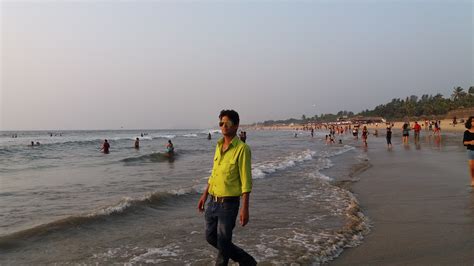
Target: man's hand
[[202, 202], [202, 199], [244, 216]]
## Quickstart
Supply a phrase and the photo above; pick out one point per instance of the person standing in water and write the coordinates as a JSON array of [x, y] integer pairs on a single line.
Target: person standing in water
[[169, 147], [405, 132], [105, 147], [468, 141], [243, 136], [365, 134], [417, 129], [229, 183], [137, 143], [389, 136]]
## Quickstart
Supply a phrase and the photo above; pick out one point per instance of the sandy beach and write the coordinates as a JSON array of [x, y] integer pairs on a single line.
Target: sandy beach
[[419, 203]]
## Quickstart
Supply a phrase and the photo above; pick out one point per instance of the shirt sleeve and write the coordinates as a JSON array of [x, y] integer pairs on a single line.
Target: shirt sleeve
[[245, 169], [209, 181]]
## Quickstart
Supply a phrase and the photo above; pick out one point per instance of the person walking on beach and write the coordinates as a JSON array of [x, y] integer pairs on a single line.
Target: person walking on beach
[[417, 129], [389, 136], [230, 182], [468, 141], [105, 147], [405, 132], [437, 130], [365, 133], [355, 133], [137, 143]]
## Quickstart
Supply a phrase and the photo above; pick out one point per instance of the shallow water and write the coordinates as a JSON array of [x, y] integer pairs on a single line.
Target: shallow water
[[65, 202]]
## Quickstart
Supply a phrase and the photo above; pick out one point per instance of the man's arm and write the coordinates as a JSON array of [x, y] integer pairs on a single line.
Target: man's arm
[[245, 166], [202, 200], [244, 210]]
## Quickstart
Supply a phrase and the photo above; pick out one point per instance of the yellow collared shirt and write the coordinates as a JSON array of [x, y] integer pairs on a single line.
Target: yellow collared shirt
[[232, 172]]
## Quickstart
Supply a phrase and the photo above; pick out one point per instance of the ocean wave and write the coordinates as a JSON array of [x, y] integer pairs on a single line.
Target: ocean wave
[[351, 233], [212, 131], [95, 141], [164, 136], [336, 151], [5, 151], [190, 135], [155, 157], [131, 138], [260, 170], [316, 246], [125, 205]]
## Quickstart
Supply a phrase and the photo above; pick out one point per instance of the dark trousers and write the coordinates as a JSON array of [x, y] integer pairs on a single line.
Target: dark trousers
[[220, 221]]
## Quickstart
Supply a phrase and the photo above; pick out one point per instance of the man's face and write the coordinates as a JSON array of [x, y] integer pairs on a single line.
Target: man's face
[[227, 127]]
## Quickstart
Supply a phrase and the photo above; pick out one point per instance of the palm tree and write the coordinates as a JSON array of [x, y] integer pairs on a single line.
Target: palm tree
[[458, 93]]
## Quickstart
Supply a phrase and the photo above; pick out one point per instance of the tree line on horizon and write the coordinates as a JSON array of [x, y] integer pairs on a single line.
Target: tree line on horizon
[[426, 106]]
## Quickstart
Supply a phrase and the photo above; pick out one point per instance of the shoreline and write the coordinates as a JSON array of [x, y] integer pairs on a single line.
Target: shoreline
[[446, 126], [419, 204]]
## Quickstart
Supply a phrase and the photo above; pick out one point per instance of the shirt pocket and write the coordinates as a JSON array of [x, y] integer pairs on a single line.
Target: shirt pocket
[[215, 165], [232, 168]]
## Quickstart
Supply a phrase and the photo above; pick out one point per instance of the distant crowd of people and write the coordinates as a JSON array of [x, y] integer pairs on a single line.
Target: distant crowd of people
[[433, 126]]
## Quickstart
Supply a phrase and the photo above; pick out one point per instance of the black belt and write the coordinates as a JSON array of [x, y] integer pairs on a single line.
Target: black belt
[[224, 199]]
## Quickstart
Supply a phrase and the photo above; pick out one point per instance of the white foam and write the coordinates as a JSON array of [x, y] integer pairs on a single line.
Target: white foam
[[190, 135], [318, 175], [164, 136], [181, 191], [156, 255], [141, 138], [212, 131], [267, 251], [336, 151], [118, 208], [260, 170]]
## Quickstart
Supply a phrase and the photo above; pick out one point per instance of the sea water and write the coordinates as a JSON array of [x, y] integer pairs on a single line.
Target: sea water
[[66, 202]]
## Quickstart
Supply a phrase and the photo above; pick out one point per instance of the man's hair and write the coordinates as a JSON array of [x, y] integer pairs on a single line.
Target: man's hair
[[232, 115], [469, 122]]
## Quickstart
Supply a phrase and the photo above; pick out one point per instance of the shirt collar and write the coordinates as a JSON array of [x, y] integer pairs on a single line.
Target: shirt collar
[[233, 142]]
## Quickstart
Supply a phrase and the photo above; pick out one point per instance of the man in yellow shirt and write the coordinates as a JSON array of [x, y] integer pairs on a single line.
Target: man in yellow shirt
[[230, 180]]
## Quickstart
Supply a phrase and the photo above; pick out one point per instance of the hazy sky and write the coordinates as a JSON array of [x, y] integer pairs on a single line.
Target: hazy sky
[[157, 64]]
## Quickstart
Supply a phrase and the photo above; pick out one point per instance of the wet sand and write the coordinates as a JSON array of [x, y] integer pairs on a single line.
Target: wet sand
[[420, 205]]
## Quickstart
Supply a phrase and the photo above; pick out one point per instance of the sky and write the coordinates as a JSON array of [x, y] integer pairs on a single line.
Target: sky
[[176, 64]]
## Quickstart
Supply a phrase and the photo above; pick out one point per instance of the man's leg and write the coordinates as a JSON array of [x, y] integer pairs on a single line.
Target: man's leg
[[211, 225], [227, 216]]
